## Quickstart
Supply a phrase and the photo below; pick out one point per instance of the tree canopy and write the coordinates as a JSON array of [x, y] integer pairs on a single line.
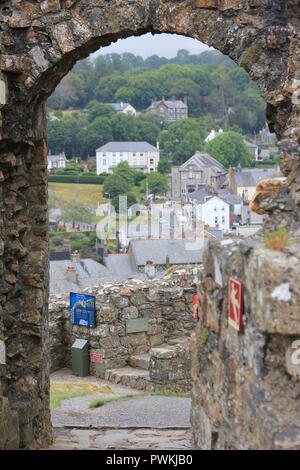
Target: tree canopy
[[229, 148]]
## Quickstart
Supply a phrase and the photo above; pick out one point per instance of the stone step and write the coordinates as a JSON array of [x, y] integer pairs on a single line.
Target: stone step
[[140, 361], [132, 377]]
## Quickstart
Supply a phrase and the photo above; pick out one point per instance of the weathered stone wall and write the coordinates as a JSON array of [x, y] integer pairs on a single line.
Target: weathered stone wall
[[40, 42], [243, 396], [167, 307]]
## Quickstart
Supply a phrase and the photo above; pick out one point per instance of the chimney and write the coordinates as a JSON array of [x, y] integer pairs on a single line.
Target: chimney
[[167, 261], [72, 274], [230, 175], [75, 256], [157, 145], [185, 100], [150, 269]]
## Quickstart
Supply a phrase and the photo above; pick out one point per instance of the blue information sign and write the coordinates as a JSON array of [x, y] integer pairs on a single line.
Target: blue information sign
[[82, 309]]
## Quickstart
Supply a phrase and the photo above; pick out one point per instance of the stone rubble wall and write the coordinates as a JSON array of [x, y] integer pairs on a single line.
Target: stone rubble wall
[[245, 394], [39, 43], [166, 304]]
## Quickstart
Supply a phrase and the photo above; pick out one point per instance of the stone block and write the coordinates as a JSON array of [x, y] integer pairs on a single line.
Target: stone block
[[230, 5], [50, 6], [3, 92], [211, 4], [129, 313]]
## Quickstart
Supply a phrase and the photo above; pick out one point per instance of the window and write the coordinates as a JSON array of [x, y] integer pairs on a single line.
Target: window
[[134, 154], [151, 169], [215, 209], [223, 219], [141, 154], [223, 208], [151, 161], [216, 220], [104, 161]]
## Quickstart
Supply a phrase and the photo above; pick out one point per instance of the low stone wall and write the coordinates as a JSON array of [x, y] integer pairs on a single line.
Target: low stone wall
[[243, 393], [132, 318], [171, 366]]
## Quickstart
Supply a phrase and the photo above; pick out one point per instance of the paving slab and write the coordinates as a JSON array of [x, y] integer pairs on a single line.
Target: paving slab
[[121, 439]]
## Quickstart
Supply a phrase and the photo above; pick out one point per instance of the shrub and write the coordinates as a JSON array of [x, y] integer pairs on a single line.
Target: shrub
[[277, 240], [77, 236], [83, 179], [58, 241]]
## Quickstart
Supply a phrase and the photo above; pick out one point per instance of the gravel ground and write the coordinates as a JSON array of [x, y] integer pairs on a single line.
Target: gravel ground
[[148, 411], [139, 411]]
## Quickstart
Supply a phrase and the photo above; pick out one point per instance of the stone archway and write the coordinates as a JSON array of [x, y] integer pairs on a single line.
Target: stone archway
[[40, 42]]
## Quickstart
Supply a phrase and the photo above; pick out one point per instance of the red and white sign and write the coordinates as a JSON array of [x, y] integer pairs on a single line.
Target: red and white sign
[[235, 307], [96, 358]]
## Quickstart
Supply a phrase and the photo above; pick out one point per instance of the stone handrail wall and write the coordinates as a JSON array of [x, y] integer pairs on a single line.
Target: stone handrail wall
[[245, 394], [165, 304]]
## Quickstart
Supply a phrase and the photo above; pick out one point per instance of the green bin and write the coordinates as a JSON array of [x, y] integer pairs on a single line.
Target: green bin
[[80, 358]]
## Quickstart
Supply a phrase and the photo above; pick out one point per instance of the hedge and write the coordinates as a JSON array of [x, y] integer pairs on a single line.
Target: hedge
[[73, 179]]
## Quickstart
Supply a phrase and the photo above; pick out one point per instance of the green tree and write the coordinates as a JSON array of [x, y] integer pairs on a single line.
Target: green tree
[[75, 212], [157, 183], [181, 140], [131, 199], [229, 149], [164, 166], [115, 185], [124, 171], [96, 109]]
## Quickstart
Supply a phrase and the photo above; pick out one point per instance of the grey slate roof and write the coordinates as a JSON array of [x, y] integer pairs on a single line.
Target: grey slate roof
[[249, 177], [56, 158], [228, 196], [122, 266], [203, 160], [90, 273], [172, 104], [127, 147], [119, 106], [250, 144], [200, 194], [179, 251]]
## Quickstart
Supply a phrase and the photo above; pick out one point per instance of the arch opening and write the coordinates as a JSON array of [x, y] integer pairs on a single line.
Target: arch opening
[[54, 38]]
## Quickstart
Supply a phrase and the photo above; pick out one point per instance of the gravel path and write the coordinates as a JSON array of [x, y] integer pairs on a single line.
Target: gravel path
[[146, 411], [139, 411], [140, 422]]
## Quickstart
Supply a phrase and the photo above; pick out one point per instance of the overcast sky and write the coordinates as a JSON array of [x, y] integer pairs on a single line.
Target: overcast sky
[[163, 45]]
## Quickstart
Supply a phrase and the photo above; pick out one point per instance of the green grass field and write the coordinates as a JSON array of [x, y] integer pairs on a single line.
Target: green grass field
[[90, 194]]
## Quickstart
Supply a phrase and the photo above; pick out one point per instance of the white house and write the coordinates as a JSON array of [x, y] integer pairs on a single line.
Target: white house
[[215, 212], [253, 148], [140, 156], [125, 108], [56, 161], [213, 134]]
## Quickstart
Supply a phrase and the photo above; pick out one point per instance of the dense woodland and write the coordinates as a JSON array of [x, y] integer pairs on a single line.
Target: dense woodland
[[219, 94]]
